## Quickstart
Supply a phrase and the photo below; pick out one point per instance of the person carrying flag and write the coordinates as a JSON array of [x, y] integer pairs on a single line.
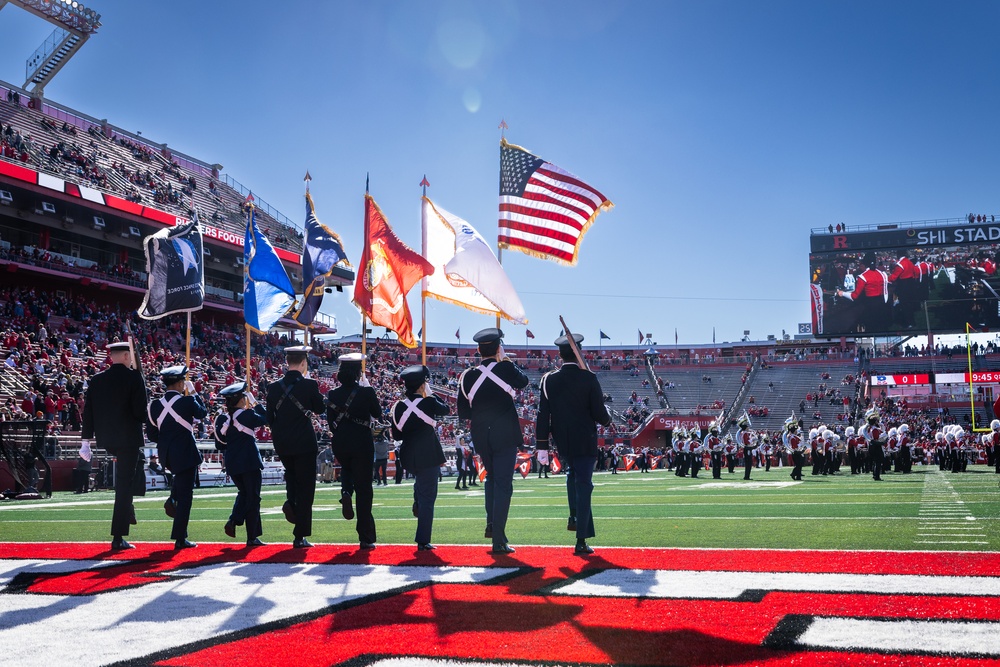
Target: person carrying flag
[[234, 436], [291, 403], [172, 429], [351, 408], [413, 422], [570, 407], [486, 398]]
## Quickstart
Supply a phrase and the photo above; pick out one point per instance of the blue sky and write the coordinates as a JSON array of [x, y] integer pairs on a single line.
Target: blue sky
[[722, 131]]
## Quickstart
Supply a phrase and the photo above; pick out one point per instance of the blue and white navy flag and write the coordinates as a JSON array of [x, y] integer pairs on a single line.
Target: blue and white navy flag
[[175, 266], [321, 251], [267, 290]]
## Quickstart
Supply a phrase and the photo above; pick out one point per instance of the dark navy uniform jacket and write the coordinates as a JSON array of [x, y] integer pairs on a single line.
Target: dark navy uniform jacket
[[421, 447], [291, 428], [235, 438], [489, 405], [353, 432], [171, 429], [115, 409], [570, 407]]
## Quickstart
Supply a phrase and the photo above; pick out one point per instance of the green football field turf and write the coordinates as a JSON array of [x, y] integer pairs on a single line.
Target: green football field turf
[[925, 510]]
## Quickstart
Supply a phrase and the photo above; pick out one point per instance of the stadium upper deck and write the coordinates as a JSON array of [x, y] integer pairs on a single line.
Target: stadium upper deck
[[78, 196]]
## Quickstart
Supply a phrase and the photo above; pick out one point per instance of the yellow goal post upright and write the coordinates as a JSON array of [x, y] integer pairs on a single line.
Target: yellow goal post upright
[[972, 390]]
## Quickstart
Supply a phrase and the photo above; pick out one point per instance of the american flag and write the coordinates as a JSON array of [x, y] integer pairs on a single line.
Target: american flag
[[544, 210]]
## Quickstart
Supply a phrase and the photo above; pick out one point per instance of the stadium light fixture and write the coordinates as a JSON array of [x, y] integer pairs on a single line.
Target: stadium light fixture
[[6, 198]]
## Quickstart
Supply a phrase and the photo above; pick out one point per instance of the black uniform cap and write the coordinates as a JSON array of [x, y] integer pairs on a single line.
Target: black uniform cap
[[563, 342], [414, 376], [172, 374], [491, 335], [235, 389]]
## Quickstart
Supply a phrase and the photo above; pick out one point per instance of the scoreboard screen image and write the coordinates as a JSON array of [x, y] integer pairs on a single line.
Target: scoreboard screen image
[[898, 280]]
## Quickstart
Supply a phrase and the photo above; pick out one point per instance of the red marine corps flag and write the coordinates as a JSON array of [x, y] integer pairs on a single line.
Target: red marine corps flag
[[389, 269], [544, 210]]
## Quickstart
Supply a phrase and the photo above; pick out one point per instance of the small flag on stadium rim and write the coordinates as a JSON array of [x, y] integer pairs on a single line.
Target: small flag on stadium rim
[[267, 291], [675, 335], [466, 272], [389, 269], [604, 336], [322, 250], [528, 333], [458, 333], [544, 210], [640, 336], [175, 269]]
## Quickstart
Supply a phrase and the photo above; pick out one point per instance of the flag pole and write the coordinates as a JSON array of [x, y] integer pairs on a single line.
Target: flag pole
[[246, 272], [364, 315], [423, 281], [503, 127], [187, 342], [364, 340], [247, 326]]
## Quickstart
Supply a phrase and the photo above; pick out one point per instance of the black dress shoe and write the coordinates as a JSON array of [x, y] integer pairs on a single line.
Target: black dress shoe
[[184, 544], [170, 507], [465, 488], [255, 542], [367, 546], [346, 507], [571, 524], [230, 529], [502, 549], [426, 546], [289, 511], [583, 549], [301, 543], [488, 532], [119, 543]]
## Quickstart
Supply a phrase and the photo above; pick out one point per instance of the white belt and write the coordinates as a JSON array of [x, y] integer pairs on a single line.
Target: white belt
[[232, 421], [168, 409], [484, 373], [412, 409]]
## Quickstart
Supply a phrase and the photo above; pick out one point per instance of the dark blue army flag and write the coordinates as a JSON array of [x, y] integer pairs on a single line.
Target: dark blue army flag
[[321, 251], [267, 290], [175, 268]]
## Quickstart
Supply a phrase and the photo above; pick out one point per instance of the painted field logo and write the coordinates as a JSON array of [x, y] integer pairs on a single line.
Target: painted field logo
[[75, 605]]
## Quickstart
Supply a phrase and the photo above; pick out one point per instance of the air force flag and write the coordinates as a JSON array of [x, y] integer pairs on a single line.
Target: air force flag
[[176, 271], [267, 291]]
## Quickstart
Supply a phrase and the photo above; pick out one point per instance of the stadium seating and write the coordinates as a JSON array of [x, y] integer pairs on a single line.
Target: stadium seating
[[119, 164]]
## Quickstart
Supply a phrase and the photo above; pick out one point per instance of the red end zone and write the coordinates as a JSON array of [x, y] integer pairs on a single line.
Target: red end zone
[[331, 605]]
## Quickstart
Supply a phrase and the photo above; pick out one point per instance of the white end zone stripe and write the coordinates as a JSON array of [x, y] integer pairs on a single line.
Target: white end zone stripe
[[951, 638], [191, 605], [51, 182], [699, 585]]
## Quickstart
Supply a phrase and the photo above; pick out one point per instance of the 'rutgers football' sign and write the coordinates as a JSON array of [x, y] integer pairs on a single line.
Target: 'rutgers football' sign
[[220, 605]]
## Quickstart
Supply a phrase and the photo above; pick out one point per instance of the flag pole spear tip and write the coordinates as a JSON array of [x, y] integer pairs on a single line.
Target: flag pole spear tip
[[367, 177], [425, 184]]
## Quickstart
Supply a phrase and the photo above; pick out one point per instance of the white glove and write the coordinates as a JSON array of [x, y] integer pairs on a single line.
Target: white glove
[[364, 381], [189, 387], [85, 452], [251, 400]]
